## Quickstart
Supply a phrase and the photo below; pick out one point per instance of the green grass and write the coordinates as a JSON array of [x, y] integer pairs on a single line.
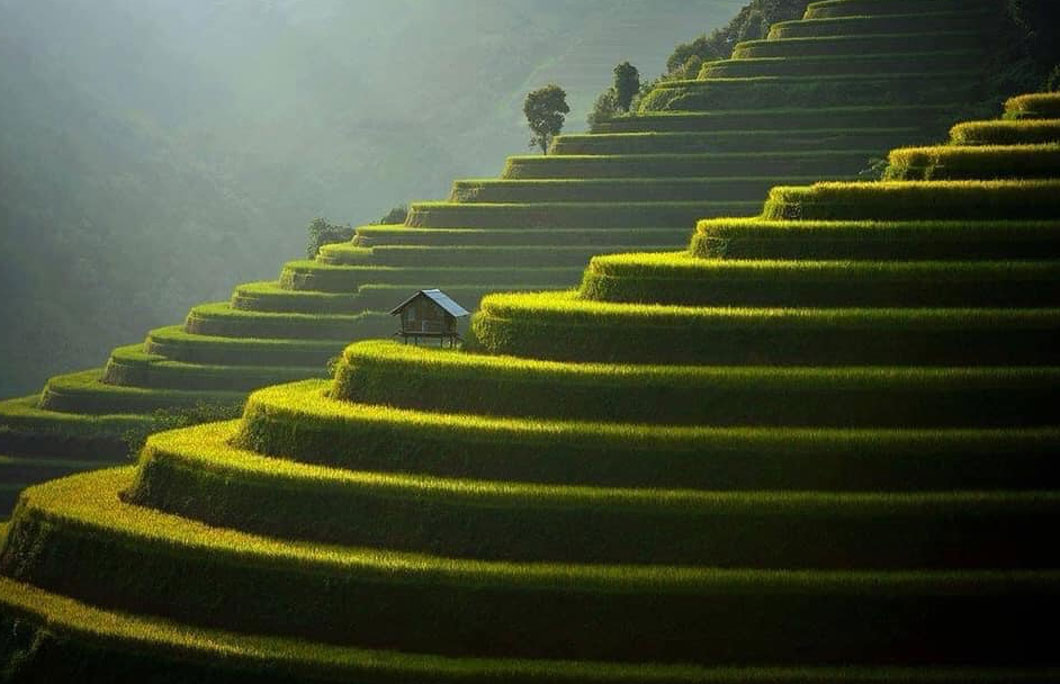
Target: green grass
[[85, 393], [344, 253], [1033, 106], [176, 344], [383, 298], [299, 422], [195, 474], [220, 319], [772, 119], [560, 326], [79, 638], [829, 65], [567, 215], [312, 276], [805, 91], [375, 236], [583, 190], [215, 578], [902, 200], [837, 46], [919, 22], [757, 238], [557, 255], [390, 374], [679, 278], [22, 418], [270, 296], [594, 157], [132, 367], [987, 162], [1019, 132], [379, 298]]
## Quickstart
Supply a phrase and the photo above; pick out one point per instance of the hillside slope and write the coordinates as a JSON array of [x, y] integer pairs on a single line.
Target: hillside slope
[[805, 111], [814, 447]]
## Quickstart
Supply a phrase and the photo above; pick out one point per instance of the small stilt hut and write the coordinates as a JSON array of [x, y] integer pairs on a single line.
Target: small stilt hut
[[430, 315]]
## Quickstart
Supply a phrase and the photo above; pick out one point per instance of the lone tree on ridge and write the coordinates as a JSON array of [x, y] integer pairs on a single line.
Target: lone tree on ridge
[[545, 109], [627, 83]]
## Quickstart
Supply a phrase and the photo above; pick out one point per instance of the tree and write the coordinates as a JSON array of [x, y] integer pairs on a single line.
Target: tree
[[605, 108], [395, 216], [323, 233], [627, 83], [545, 109]]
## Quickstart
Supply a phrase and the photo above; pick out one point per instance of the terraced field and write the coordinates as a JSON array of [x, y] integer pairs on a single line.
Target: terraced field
[[820, 99], [816, 446]]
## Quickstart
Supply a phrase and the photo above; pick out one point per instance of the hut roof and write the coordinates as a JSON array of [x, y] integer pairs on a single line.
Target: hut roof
[[438, 297]]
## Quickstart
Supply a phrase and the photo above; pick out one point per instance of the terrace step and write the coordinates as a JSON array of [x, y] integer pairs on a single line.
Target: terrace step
[[120, 641], [557, 255], [594, 158], [1033, 106], [175, 344], [680, 278], [377, 236], [826, 9], [561, 327], [570, 215], [905, 200], [53, 435], [885, 24], [831, 65], [226, 579], [757, 238], [86, 393], [220, 319], [587, 190], [197, 475], [963, 163], [270, 297], [857, 45], [313, 276], [774, 119], [912, 88], [690, 149], [1016, 132], [665, 393], [132, 367], [300, 422]]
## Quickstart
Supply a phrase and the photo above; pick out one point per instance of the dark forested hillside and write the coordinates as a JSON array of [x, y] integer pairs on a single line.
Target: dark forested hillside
[[145, 169]]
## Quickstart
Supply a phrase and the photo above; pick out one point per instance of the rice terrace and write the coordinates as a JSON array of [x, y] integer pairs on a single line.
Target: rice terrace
[[753, 379]]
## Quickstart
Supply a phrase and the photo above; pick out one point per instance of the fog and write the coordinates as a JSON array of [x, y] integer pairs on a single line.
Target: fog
[[154, 153]]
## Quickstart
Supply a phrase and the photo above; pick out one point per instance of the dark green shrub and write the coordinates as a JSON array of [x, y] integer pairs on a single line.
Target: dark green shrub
[[323, 233], [395, 216], [604, 108], [752, 22]]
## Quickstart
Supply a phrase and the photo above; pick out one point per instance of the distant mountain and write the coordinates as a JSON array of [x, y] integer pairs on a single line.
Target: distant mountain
[[155, 152]]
